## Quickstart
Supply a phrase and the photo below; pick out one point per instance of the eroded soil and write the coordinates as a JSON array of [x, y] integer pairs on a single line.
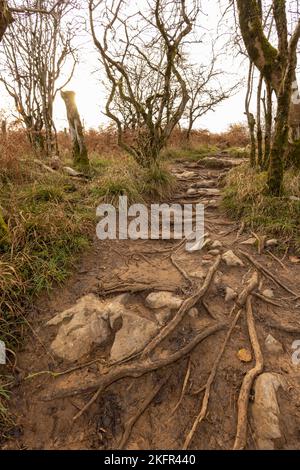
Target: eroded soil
[[46, 422]]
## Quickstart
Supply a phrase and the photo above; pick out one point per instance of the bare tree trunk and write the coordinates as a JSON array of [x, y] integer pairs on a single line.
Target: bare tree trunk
[[80, 154], [259, 134]]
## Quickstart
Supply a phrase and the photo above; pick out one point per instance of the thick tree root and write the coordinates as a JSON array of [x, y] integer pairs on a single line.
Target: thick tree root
[[131, 422], [243, 401], [185, 307], [252, 284], [268, 273], [139, 368], [185, 383]]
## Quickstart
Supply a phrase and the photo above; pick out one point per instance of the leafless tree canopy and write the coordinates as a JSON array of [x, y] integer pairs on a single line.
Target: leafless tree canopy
[[36, 51], [143, 54]]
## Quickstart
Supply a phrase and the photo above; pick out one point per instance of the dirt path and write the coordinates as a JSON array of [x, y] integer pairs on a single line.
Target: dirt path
[[152, 403]]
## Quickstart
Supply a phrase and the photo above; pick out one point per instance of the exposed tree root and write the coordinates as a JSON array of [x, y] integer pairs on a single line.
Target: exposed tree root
[[277, 259], [241, 433], [252, 284], [240, 231], [268, 273], [137, 369], [185, 383], [181, 270], [185, 307], [131, 422], [208, 385], [268, 301], [242, 298], [135, 288]]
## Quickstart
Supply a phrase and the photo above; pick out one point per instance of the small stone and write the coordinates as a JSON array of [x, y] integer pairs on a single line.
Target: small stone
[[273, 346], [213, 203], [294, 198], [294, 259], [268, 293], [244, 355], [163, 316], [198, 273], [162, 299], [207, 257], [135, 333], [214, 252], [206, 262], [218, 278], [230, 294], [250, 242], [191, 192], [270, 243], [216, 244], [231, 259]]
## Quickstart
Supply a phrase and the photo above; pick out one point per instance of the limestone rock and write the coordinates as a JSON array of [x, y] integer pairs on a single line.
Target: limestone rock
[[250, 242], [273, 346], [231, 259], [230, 294], [89, 323], [265, 410], [205, 184], [135, 333], [82, 328], [163, 299], [214, 252], [198, 273], [268, 293], [216, 244], [270, 243]]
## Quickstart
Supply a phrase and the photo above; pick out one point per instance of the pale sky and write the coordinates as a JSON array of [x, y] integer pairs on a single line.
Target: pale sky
[[91, 95]]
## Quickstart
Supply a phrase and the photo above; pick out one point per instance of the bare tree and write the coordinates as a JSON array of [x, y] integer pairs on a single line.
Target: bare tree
[[205, 91], [142, 59], [35, 51], [7, 12]]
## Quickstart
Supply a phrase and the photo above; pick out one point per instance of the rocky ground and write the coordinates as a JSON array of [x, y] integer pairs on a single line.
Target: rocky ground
[[150, 346]]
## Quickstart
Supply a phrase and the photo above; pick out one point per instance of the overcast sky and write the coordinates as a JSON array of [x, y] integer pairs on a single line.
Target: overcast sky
[[91, 95]]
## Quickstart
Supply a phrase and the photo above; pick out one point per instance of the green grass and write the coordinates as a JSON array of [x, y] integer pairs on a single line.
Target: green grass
[[245, 198], [48, 220], [193, 154]]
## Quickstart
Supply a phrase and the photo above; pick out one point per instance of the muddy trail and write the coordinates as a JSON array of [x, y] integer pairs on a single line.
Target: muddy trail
[[149, 346]]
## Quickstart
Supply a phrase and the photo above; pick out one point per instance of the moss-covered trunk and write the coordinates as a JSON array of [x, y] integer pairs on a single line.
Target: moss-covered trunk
[[281, 138]]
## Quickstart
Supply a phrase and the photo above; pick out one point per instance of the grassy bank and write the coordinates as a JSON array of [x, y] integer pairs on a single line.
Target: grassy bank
[[245, 198], [50, 219]]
